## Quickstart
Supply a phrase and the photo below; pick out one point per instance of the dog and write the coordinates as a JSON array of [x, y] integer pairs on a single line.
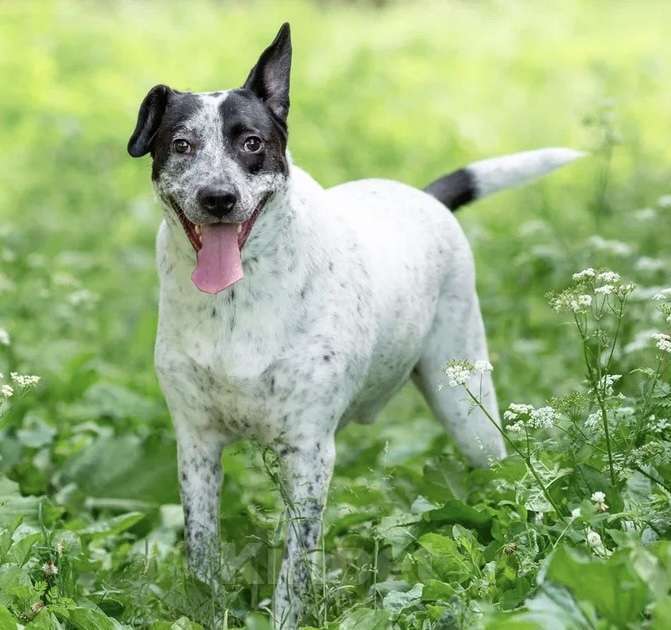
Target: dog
[[287, 310]]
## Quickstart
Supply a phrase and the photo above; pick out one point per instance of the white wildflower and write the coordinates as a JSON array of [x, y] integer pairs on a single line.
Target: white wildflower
[[7, 391], [660, 425], [662, 295], [663, 342], [516, 427], [81, 297], [593, 422], [515, 410], [641, 341], [664, 201], [49, 569], [645, 214], [580, 303], [576, 513], [584, 274], [543, 418], [4, 337], [645, 263], [458, 373], [608, 276], [607, 381], [617, 248], [599, 500], [606, 289], [520, 408], [480, 367], [24, 380]]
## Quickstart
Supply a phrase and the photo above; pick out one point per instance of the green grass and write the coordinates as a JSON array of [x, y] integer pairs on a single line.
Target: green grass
[[407, 91]]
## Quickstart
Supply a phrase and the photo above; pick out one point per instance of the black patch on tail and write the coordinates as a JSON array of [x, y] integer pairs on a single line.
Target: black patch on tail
[[454, 190]]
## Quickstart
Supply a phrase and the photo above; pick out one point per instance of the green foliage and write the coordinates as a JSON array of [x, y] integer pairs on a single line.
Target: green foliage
[[90, 526]]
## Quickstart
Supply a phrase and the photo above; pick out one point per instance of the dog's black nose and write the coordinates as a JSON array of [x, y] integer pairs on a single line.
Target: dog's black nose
[[217, 201]]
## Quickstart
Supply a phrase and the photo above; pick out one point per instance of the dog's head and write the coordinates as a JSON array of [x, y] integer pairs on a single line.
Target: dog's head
[[219, 156]]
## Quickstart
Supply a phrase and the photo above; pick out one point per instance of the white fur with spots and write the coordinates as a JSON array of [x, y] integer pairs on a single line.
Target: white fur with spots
[[345, 292]]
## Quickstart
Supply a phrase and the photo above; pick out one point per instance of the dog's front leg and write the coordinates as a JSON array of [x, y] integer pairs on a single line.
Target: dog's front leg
[[199, 460], [306, 471]]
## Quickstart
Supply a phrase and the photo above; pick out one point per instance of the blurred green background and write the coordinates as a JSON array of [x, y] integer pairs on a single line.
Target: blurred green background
[[404, 90], [407, 91]]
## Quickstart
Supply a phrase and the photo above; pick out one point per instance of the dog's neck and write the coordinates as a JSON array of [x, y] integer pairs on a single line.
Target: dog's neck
[[279, 250]]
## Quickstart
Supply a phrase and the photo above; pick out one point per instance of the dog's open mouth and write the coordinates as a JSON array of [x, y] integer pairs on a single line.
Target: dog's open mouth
[[218, 247]]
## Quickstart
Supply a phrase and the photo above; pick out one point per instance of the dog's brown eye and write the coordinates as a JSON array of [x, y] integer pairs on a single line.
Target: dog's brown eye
[[252, 144], [181, 146]]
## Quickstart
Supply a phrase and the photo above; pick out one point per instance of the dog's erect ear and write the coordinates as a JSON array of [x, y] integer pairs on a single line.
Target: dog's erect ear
[[269, 78], [148, 120]]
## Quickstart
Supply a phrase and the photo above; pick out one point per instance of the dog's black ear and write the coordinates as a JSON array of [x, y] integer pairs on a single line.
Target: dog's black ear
[[148, 120], [269, 78]]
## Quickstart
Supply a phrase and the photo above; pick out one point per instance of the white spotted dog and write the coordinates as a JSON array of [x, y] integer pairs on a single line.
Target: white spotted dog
[[287, 310]]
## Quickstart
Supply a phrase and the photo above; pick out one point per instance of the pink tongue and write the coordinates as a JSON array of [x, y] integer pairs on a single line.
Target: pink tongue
[[219, 265]]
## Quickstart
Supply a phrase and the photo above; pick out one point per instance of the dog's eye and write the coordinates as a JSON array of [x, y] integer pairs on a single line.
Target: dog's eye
[[181, 146], [252, 144]]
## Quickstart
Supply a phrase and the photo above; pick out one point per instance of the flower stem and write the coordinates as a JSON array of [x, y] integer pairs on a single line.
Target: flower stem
[[606, 431], [525, 457]]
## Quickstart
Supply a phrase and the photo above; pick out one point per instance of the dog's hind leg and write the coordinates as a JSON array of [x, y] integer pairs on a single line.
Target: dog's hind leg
[[306, 471], [458, 333]]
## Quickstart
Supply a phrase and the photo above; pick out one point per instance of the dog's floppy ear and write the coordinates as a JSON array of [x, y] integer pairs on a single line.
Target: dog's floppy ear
[[269, 78], [148, 120]]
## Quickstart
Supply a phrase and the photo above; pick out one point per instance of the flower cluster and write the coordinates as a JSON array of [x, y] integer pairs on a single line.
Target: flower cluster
[[664, 201], [459, 372], [24, 381], [607, 382], [520, 415], [663, 342], [616, 248], [572, 301], [587, 284], [599, 500]]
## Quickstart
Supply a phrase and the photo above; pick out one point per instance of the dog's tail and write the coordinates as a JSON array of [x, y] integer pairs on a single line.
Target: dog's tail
[[485, 177]]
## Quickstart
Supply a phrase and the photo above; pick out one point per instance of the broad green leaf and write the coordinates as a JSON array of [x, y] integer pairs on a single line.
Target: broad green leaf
[[7, 620], [435, 590], [44, 620], [396, 601], [20, 550], [127, 467], [458, 512], [661, 614], [397, 531], [92, 619], [13, 506], [112, 526], [365, 619], [552, 608], [440, 558], [612, 586]]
